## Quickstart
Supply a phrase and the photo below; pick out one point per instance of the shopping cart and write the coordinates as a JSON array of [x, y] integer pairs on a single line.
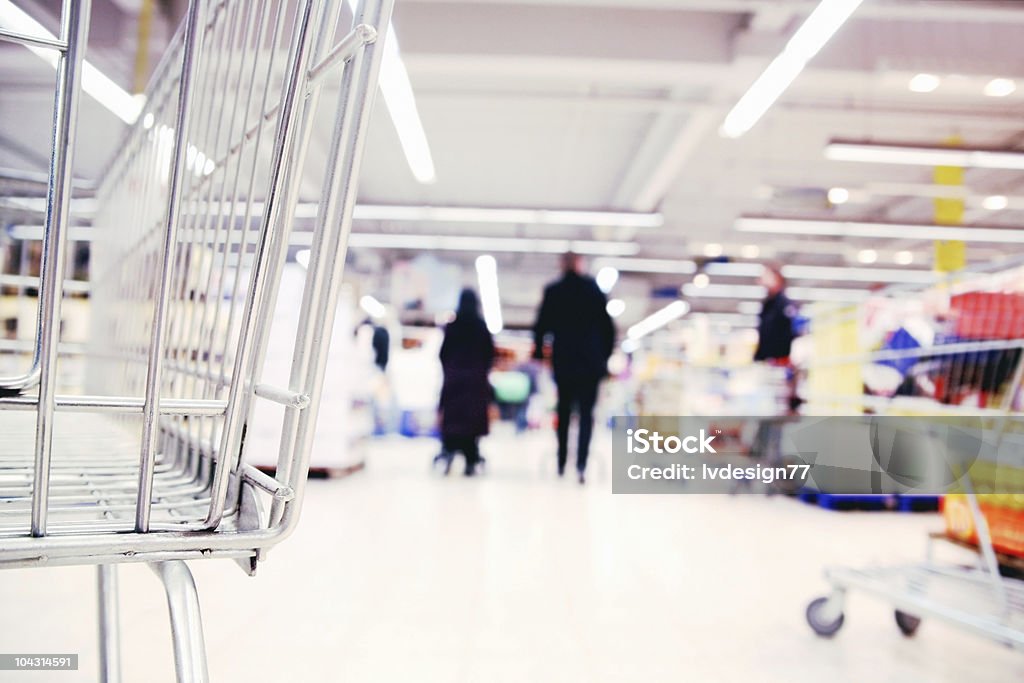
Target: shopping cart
[[967, 364], [191, 232]]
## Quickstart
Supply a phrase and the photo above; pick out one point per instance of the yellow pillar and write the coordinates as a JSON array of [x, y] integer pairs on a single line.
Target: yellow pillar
[[142, 46], [950, 255], [836, 387]]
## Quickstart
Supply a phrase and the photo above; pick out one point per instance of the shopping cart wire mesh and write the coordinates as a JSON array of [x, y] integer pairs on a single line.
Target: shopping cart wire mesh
[[144, 458]]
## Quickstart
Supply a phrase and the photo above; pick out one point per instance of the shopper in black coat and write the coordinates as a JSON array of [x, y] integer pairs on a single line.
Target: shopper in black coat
[[774, 343], [775, 327], [574, 312], [467, 354]]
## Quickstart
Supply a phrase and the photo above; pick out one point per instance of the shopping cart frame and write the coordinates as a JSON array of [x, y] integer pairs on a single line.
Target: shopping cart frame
[[202, 469], [978, 599]]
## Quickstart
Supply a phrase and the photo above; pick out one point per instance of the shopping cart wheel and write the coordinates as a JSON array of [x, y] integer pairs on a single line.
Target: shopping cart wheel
[[820, 622], [908, 623]]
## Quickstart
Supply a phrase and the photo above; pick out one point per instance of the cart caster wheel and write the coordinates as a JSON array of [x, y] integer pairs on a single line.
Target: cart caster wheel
[[908, 623], [825, 629]]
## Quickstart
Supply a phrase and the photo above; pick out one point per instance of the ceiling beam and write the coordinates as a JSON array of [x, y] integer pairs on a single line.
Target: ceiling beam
[[514, 29], [798, 105], [675, 154], [973, 11], [662, 131]]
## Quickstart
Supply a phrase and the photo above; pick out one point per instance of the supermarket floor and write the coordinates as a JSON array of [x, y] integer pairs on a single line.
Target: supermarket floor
[[395, 575]]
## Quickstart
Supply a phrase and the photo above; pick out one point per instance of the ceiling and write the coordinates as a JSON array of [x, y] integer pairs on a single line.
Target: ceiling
[[615, 105]]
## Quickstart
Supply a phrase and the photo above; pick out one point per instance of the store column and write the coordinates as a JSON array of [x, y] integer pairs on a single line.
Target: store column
[[950, 255]]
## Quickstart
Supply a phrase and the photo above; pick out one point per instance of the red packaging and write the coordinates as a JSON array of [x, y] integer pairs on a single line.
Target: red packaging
[[1005, 523], [988, 315]]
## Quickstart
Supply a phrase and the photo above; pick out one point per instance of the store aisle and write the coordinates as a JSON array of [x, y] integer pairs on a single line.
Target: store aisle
[[397, 575]]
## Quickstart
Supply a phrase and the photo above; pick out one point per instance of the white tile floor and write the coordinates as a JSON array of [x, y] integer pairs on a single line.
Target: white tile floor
[[395, 575]]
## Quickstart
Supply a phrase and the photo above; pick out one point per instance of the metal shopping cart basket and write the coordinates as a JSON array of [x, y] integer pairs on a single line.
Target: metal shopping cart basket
[[967, 365], [146, 463]]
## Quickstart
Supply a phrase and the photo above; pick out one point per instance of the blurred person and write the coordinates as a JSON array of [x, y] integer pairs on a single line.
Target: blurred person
[[523, 409], [372, 342], [775, 325], [512, 394], [467, 354], [381, 342], [574, 313], [774, 344]]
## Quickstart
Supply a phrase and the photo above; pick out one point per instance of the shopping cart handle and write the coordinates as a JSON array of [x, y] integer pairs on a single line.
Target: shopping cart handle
[[265, 482], [285, 397]]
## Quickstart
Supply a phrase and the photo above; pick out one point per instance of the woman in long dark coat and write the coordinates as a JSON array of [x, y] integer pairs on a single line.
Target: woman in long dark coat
[[467, 354]]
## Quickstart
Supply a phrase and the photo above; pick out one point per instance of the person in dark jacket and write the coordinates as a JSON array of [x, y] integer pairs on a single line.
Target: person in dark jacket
[[574, 313], [381, 347], [775, 327], [774, 343], [467, 354]]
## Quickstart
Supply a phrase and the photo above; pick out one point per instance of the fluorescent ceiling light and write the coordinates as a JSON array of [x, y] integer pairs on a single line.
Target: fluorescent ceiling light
[[838, 195], [650, 265], [487, 276], [94, 82], [812, 35], [867, 255], [79, 206], [465, 214], [401, 103], [903, 258], [731, 269], [108, 93], [35, 233], [834, 273], [196, 161], [659, 319], [911, 155], [606, 278], [414, 241], [731, 319], [904, 231], [1000, 87], [616, 307], [373, 308], [718, 291], [701, 280], [749, 307], [841, 273], [483, 244], [996, 202], [924, 83], [826, 294], [972, 199]]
